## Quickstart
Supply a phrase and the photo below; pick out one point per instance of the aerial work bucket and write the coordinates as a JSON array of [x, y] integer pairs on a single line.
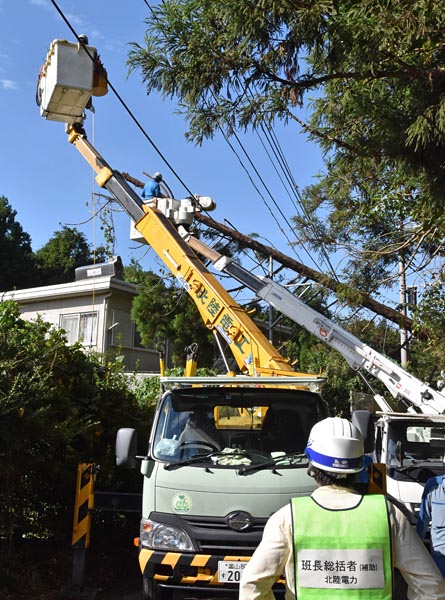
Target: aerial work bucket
[[66, 81]]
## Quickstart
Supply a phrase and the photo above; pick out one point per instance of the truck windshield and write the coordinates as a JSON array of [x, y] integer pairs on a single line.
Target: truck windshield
[[234, 428]]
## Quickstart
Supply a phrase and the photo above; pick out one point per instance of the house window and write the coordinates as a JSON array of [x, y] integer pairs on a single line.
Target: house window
[[80, 327], [122, 331]]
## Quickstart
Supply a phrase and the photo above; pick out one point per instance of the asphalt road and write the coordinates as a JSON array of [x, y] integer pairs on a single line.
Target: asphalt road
[[118, 596], [102, 594]]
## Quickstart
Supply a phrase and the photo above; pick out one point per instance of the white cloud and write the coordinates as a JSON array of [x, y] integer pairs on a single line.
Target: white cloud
[[40, 3], [8, 84], [76, 20]]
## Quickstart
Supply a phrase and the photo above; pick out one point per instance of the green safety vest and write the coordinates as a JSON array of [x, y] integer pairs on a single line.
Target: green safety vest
[[342, 554]]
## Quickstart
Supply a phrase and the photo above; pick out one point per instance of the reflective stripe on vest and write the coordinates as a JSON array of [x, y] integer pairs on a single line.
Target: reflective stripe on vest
[[342, 554]]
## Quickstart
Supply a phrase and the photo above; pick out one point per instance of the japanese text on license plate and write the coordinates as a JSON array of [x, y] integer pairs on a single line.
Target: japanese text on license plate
[[229, 571]]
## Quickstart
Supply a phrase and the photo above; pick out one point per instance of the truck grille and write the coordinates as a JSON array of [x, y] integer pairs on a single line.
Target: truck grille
[[213, 535]]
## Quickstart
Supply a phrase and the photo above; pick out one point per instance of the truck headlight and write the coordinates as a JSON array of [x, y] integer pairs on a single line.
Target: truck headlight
[[158, 536]]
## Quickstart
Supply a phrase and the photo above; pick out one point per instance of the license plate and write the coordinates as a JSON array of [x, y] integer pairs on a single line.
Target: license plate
[[229, 571]]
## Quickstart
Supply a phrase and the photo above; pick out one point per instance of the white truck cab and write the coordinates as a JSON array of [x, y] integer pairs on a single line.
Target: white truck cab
[[412, 447]]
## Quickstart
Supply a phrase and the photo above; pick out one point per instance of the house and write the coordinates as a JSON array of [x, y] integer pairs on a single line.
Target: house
[[95, 309]]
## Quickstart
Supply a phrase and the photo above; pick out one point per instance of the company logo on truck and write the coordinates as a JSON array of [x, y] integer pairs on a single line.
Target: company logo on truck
[[181, 503]]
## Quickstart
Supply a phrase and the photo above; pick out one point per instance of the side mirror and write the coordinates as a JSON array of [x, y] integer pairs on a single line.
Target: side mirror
[[364, 421], [126, 448], [400, 452]]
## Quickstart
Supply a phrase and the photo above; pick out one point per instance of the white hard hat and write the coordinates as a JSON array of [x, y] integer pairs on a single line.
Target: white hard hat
[[157, 176], [335, 445]]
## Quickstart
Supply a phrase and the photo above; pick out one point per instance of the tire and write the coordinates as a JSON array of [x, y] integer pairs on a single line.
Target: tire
[[148, 589]]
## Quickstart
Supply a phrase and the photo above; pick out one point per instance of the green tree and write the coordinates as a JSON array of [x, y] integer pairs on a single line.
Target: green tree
[[235, 64], [17, 268], [368, 223], [429, 316], [66, 250], [381, 110], [58, 407], [374, 73], [380, 198], [165, 313]]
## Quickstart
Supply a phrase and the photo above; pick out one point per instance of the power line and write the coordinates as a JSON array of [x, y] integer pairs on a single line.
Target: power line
[[164, 159], [289, 175], [285, 170], [126, 107], [280, 157]]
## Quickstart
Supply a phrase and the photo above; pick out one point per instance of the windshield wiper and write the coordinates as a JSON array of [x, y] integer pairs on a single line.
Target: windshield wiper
[[273, 462], [190, 461]]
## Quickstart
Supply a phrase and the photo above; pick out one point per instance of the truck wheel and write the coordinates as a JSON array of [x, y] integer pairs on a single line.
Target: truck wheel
[[148, 589]]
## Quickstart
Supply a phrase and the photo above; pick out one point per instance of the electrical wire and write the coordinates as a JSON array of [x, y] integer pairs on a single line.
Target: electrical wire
[[281, 177], [300, 207], [331, 268], [126, 107], [140, 127], [291, 181], [285, 169]]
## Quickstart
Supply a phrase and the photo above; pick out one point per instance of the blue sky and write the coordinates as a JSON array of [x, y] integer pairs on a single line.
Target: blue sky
[[50, 185]]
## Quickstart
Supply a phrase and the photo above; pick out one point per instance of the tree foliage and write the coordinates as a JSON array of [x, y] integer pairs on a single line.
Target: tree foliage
[[165, 313], [58, 407], [430, 315], [370, 76], [240, 63], [53, 263], [66, 250], [17, 268]]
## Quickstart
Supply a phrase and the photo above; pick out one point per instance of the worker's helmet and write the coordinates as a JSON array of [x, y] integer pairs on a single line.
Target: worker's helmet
[[335, 445], [157, 176]]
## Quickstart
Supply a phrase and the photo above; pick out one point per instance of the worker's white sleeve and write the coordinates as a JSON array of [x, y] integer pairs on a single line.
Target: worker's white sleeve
[[425, 582], [271, 559]]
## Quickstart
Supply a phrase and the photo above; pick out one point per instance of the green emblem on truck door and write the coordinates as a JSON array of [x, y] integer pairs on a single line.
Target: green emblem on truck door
[[181, 503]]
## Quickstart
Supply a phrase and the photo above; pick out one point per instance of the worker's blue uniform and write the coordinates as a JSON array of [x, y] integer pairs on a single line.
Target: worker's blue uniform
[[432, 508], [151, 189]]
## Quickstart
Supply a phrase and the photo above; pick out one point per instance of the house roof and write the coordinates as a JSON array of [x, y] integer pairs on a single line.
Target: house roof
[[83, 287]]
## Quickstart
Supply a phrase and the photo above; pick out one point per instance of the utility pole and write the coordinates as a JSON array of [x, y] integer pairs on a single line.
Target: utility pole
[[403, 310], [270, 306]]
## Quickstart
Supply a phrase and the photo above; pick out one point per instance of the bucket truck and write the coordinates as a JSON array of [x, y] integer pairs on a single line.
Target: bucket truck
[[223, 453]]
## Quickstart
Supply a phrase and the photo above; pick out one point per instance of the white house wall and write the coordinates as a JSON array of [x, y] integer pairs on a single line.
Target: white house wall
[[109, 297]]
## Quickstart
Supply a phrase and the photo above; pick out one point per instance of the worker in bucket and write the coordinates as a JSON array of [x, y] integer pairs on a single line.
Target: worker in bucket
[[338, 543], [152, 189]]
